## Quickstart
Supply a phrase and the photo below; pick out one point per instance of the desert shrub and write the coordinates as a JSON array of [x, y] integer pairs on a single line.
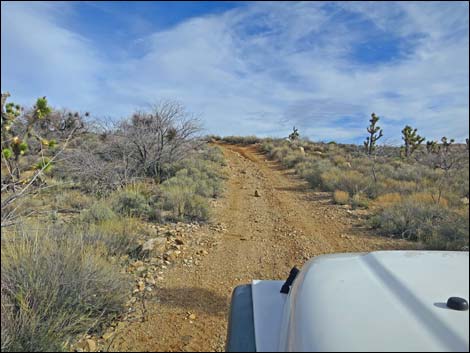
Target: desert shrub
[[198, 208], [350, 181], [452, 233], [405, 171], [183, 195], [459, 183], [72, 199], [360, 200], [340, 161], [302, 169], [386, 186], [180, 198], [130, 203], [266, 146], [29, 203], [116, 236], [279, 152], [292, 158], [427, 198], [423, 221], [54, 287], [205, 175], [241, 140], [146, 187], [98, 212], [214, 154], [312, 171], [386, 200], [212, 138], [341, 197]]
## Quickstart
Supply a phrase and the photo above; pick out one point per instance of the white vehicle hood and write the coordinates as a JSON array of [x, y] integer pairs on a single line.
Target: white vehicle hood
[[381, 301]]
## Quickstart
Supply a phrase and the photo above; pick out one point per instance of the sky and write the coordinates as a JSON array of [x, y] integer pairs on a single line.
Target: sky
[[248, 68]]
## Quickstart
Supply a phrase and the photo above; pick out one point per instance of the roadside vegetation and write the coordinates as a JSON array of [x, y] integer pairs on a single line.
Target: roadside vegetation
[[76, 195], [418, 192]]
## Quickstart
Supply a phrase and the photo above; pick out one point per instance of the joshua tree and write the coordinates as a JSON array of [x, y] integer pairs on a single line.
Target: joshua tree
[[372, 129], [20, 137], [294, 135], [432, 147], [412, 140]]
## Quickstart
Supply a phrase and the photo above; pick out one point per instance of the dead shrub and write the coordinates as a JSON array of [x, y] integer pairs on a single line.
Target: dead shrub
[[341, 197]]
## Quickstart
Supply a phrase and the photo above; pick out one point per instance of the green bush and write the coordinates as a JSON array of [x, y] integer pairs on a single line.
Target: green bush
[[53, 287], [241, 140], [70, 199], [116, 236], [267, 146], [213, 154], [279, 152], [198, 208], [360, 200], [312, 171], [292, 158], [180, 197], [130, 203], [206, 174], [98, 212], [425, 222], [452, 234], [183, 195], [350, 181]]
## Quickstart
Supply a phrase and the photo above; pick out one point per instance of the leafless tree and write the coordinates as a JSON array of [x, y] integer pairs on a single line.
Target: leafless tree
[[143, 146], [161, 137], [446, 157]]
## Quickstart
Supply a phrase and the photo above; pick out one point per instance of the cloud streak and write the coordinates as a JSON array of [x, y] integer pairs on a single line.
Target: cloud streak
[[259, 68]]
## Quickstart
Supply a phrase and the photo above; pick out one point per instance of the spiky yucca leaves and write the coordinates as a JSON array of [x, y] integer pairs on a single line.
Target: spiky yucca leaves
[[432, 147], [15, 141], [375, 133], [412, 140], [294, 136]]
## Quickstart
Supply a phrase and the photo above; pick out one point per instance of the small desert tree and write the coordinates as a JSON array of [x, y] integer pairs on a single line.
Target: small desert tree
[[412, 140], [375, 133], [16, 135], [294, 135], [443, 157], [158, 138], [21, 139], [432, 146]]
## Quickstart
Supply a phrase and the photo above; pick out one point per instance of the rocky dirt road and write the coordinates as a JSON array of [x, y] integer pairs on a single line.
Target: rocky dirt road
[[257, 237]]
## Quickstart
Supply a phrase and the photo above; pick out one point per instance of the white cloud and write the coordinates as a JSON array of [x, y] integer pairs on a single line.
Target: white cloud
[[40, 57], [260, 68]]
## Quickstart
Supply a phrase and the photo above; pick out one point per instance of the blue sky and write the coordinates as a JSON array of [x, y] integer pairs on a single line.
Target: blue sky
[[246, 67]]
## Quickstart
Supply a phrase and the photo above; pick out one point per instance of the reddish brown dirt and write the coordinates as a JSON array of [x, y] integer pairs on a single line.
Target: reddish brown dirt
[[263, 237]]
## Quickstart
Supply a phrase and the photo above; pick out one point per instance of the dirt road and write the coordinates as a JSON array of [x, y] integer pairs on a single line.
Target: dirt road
[[261, 238]]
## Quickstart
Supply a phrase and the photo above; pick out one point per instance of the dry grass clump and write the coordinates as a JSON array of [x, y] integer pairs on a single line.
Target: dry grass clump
[[428, 198], [387, 200], [53, 287], [341, 197]]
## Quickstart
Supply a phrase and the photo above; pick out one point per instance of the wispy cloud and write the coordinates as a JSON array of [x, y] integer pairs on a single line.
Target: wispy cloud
[[259, 68]]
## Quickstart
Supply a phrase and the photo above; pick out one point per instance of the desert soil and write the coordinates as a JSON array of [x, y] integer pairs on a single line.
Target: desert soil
[[253, 237]]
